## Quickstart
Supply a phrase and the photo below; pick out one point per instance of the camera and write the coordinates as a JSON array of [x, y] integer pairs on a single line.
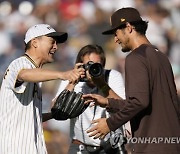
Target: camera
[[94, 69]]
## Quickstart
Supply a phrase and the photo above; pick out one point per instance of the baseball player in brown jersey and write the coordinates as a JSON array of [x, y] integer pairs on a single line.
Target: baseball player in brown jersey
[[151, 103]]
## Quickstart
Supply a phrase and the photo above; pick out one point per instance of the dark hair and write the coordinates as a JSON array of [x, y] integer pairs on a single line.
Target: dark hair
[[88, 49], [27, 46], [140, 26]]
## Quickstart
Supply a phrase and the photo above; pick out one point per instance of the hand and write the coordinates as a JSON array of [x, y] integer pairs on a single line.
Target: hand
[[96, 99], [100, 130], [74, 75]]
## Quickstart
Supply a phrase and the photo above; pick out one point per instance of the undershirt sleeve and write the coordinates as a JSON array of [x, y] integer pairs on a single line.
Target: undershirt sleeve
[[116, 83]]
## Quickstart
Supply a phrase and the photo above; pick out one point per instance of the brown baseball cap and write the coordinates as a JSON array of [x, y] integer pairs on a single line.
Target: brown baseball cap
[[120, 17]]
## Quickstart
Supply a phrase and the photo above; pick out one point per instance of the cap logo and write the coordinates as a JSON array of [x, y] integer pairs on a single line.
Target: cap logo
[[122, 19], [49, 27]]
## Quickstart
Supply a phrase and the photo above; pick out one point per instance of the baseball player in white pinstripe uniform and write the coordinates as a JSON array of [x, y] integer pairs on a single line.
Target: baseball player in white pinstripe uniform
[[20, 95]]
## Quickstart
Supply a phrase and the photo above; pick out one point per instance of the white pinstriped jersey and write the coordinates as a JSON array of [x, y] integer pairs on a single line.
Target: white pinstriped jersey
[[20, 113], [79, 125]]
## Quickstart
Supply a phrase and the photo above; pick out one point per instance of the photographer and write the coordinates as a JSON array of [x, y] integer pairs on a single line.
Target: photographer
[[93, 58]]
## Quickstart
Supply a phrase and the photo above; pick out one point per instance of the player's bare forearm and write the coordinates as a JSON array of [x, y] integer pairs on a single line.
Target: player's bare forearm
[[38, 75], [104, 88], [41, 75], [46, 116], [108, 92]]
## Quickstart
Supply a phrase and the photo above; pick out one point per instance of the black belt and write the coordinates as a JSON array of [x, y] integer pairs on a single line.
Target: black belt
[[96, 149], [75, 141]]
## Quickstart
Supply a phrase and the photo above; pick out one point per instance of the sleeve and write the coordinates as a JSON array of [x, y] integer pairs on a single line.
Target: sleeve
[[116, 83], [137, 93], [62, 86], [12, 72]]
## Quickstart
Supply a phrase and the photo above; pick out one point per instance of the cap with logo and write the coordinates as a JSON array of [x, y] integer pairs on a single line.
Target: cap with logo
[[120, 17], [44, 30]]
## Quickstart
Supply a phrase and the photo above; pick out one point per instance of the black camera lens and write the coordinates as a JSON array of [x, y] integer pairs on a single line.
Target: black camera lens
[[95, 70]]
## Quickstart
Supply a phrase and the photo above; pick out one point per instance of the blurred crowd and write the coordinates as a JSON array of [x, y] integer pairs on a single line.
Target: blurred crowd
[[84, 21]]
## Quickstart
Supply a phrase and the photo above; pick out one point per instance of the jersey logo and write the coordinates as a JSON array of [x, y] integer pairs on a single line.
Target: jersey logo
[[49, 27], [122, 19]]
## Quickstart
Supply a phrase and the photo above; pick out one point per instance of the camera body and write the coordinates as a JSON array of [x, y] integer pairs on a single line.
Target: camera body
[[94, 69]]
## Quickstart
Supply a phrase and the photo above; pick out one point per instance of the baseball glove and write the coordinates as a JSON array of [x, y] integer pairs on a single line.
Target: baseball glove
[[68, 104]]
